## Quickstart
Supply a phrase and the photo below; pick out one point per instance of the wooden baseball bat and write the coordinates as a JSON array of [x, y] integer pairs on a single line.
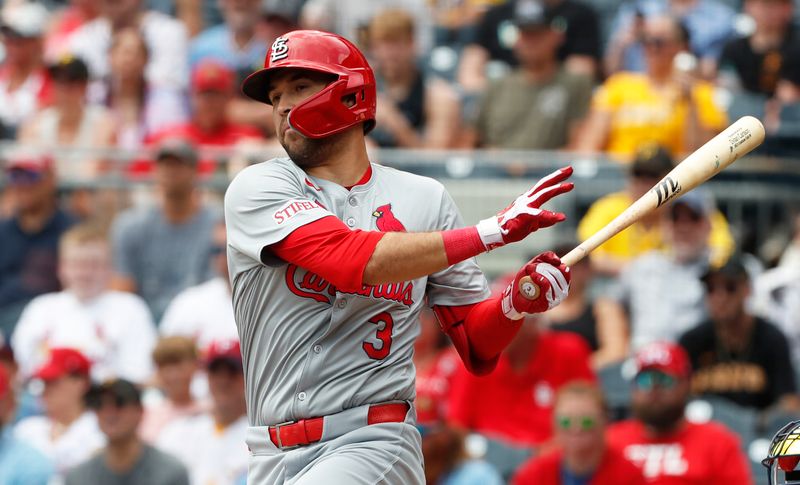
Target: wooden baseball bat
[[733, 143]]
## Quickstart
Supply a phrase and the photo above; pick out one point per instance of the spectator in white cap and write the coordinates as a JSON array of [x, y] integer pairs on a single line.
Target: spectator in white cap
[[24, 84]]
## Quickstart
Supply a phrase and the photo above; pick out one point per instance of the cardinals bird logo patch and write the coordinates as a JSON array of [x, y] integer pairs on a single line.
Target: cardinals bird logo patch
[[386, 221]]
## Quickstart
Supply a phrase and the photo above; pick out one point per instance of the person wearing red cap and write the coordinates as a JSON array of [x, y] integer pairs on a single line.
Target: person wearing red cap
[[212, 89], [20, 463], [667, 448], [212, 445], [583, 456], [67, 432]]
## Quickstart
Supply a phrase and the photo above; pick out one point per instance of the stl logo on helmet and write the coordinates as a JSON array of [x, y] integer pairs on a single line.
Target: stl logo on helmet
[[279, 49]]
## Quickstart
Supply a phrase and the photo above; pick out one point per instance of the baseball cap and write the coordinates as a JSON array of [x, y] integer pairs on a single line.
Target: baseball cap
[[69, 69], [228, 351], [121, 391], [652, 161], [733, 269], [667, 357], [211, 75], [180, 148], [61, 362], [28, 160], [530, 15], [700, 201], [27, 20]]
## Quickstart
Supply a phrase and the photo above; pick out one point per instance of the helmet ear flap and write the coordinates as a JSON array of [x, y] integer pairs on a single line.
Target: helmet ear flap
[[788, 463]]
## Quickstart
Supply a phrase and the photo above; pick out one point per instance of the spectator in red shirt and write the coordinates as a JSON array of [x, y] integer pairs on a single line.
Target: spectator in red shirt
[[669, 449], [212, 89], [514, 404], [25, 86], [212, 92], [582, 456]]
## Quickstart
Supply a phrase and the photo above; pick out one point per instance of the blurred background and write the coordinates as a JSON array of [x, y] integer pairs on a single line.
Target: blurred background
[[122, 123]]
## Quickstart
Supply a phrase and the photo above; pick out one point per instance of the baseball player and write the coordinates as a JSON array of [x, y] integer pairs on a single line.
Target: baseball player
[[332, 257]]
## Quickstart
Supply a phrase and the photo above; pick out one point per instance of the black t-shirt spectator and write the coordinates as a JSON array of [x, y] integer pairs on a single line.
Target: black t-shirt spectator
[[758, 72], [495, 32], [756, 377], [412, 107]]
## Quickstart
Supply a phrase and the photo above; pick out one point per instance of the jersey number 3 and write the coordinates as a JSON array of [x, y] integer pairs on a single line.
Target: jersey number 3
[[384, 333]]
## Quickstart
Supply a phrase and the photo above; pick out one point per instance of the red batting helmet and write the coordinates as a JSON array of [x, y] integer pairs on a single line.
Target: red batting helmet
[[324, 113]]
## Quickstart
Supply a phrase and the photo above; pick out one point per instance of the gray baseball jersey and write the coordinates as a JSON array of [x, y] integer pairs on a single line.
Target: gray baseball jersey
[[309, 349]]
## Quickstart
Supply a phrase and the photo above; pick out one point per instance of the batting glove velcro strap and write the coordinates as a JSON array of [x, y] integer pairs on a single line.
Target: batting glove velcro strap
[[552, 278], [525, 215]]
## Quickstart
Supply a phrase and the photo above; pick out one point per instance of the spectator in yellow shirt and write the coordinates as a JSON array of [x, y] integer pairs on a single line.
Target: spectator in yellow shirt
[[666, 104], [650, 165]]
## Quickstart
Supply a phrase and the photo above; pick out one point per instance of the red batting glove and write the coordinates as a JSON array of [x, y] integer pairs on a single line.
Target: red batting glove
[[550, 275], [524, 215]]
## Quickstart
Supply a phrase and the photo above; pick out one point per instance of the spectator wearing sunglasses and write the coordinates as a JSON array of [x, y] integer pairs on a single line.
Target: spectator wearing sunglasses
[[664, 105], [734, 354], [659, 295], [660, 441], [580, 418], [204, 312], [30, 236], [125, 459]]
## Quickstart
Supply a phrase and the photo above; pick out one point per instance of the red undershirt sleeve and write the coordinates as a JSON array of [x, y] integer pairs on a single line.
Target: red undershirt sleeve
[[479, 332], [329, 249]]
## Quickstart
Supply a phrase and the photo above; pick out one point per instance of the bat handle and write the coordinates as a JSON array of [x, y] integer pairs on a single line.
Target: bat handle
[[528, 288]]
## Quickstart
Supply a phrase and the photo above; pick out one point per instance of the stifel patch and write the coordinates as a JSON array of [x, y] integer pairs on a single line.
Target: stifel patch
[[294, 207]]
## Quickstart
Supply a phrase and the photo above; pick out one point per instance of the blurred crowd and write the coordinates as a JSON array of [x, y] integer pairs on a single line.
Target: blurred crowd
[[119, 356]]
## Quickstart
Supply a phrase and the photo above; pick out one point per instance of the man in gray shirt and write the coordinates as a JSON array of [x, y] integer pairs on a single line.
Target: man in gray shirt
[[159, 251], [125, 459], [659, 295]]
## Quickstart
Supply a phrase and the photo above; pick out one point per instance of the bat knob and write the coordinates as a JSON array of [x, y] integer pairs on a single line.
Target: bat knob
[[528, 288]]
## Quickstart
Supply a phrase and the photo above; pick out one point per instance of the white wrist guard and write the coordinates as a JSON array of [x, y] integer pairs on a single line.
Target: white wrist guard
[[508, 306], [490, 233]]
